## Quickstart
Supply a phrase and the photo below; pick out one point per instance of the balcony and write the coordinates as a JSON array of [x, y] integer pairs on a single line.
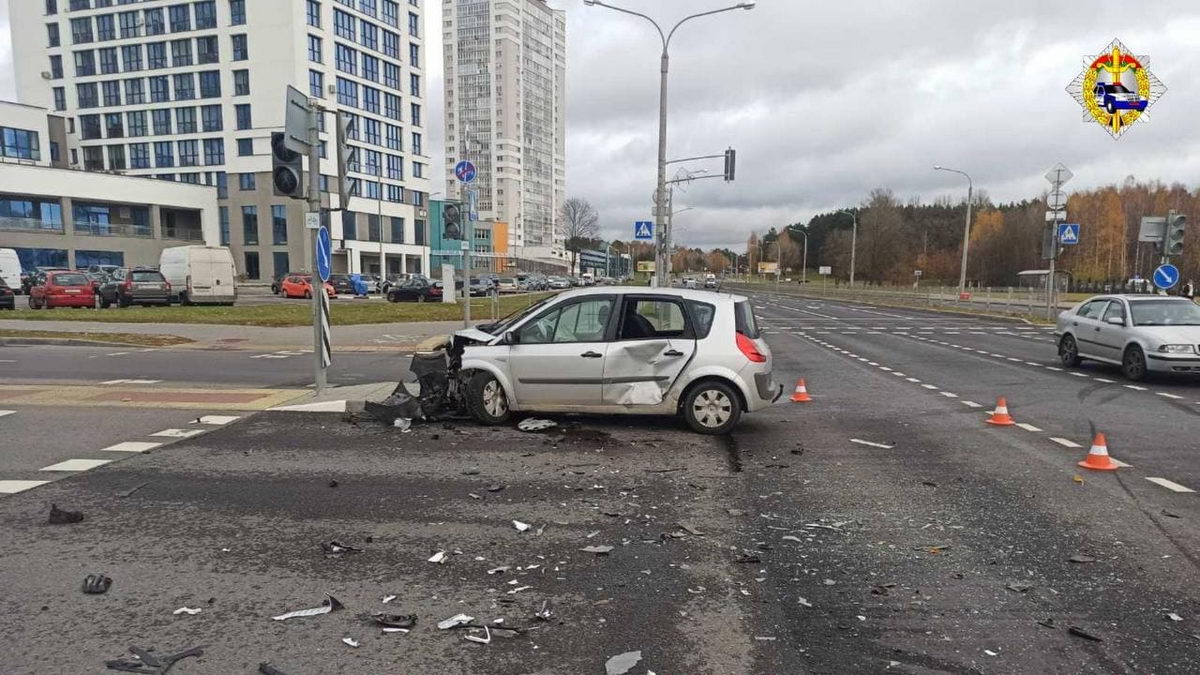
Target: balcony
[[16, 224]]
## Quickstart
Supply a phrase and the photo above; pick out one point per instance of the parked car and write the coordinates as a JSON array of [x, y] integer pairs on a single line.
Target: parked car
[[508, 285], [416, 289], [690, 282], [137, 286], [39, 276], [342, 284], [587, 279], [8, 297], [62, 289], [199, 274], [480, 286], [277, 282], [1139, 333], [559, 283], [300, 286], [710, 280], [372, 281], [106, 270], [620, 350], [10, 268]]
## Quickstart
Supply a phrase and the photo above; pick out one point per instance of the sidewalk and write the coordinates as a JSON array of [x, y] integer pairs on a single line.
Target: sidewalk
[[385, 337]]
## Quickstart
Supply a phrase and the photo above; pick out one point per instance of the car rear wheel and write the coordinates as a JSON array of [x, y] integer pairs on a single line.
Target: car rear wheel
[[486, 399], [307, 295], [712, 407], [1068, 351], [1133, 365]]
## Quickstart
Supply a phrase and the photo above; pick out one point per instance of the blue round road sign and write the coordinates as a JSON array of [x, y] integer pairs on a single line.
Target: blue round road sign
[[1166, 276], [465, 171], [324, 253]]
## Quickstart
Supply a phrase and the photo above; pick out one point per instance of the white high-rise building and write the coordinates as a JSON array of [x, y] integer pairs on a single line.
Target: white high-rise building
[[190, 91], [505, 69]]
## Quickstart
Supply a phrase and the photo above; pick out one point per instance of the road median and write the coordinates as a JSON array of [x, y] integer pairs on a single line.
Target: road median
[[9, 337]]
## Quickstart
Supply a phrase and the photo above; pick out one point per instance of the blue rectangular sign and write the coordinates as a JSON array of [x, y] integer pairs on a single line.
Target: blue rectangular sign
[[643, 230], [1068, 233]]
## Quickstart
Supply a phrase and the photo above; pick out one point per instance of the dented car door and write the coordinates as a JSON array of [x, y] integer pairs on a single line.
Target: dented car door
[[654, 342]]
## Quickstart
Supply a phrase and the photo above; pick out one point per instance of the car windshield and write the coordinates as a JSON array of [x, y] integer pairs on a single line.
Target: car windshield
[[515, 317], [1165, 313], [70, 280], [1116, 88]]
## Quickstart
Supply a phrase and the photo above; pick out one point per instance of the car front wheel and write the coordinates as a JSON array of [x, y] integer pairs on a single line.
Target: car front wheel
[[486, 399], [1068, 351], [712, 407], [1133, 365]]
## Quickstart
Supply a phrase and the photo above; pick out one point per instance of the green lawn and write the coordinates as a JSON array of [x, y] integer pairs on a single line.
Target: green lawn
[[343, 312], [124, 338]]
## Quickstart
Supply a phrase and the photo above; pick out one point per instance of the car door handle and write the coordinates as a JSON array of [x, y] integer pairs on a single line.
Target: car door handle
[[673, 352], [591, 355]]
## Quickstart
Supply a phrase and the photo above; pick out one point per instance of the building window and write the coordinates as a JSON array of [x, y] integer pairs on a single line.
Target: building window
[[185, 120], [81, 30], [343, 25], [279, 225], [414, 25], [108, 61], [314, 13], [416, 144], [370, 35], [237, 12], [185, 87], [19, 143], [114, 125], [214, 151], [60, 98], [418, 170], [51, 7], [132, 56], [415, 114], [106, 28], [139, 156], [250, 225], [156, 55], [395, 167], [414, 55], [345, 59], [397, 229], [112, 92], [241, 113], [419, 229], [391, 106], [189, 153], [222, 185], [223, 212], [154, 22], [85, 63], [136, 120], [316, 84], [372, 162], [394, 136], [206, 14], [208, 50], [89, 127], [86, 95], [391, 13], [241, 83], [164, 154], [370, 68], [251, 257], [245, 147], [414, 85], [80, 4], [370, 131], [161, 119], [347, 92], [116, 157], [210, 84], [181, 18], [240, 51], [280, 260], [181, 53], [52, 35], [391, 44], [56, 71], [367, 7], [395, 193], [210, 118], [246, 182], [130, 25], [349, 225], [314, 49], [370, 99]]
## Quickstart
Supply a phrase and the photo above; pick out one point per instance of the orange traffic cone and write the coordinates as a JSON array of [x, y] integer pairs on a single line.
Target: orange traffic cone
[[801, 393], [1098, 459], [1000, 416]]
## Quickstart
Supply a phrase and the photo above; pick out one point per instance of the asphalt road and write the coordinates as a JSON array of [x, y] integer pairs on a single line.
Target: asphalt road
[[882, 527]]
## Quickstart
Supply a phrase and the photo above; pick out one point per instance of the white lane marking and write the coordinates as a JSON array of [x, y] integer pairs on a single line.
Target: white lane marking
[[1169, 484], [1079, 375], [177, 433], [1166, 395], [218, 419], [948, 394], [972, 404], [1135, 387], [118, 354], [1057, 370], [131, 446], [885, 368], [76, 465], [8, 360], [1101, 379], [1013, 359], [1027, 426], [873, 445], [872, 363], [897, 373], [912, 379], [1065, 443], [8, 487], [7, 412], [269, 356], [1031, 363], [131, 382], [1119, 463], [929, 386]]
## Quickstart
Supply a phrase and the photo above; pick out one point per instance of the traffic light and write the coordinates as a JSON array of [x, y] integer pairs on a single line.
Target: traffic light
[[451, 221], [1176, 224], [346, 158], [730, 163], [287, 173]]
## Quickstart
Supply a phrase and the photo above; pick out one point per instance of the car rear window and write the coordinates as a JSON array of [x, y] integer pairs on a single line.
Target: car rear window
[[702, 317], [744, 321], [70, 280], [147, 276]]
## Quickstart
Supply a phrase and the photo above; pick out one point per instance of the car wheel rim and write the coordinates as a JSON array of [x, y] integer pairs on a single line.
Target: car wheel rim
[[1068, 350], [494, 401], [1133, 364], [712, 408]]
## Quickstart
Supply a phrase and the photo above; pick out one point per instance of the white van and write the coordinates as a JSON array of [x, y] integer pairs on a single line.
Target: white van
[[588, 279], [199, 274], [10, 269]]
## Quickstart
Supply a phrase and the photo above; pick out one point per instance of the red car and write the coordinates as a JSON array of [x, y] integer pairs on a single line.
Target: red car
[[300, 286], [63, 289]]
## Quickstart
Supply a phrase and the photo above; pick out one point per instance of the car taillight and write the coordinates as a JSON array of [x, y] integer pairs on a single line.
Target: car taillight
[[128, 284], [747, 347], [167, 285]]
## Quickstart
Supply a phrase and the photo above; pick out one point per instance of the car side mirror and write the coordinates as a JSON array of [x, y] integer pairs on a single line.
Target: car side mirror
[[512, 337], [1116, 321]]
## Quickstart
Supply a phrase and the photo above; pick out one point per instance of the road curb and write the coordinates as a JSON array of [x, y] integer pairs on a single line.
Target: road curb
[[70, 342]]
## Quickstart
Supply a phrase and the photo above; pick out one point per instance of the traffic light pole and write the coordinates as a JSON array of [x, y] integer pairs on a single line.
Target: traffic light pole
[[314, 206]]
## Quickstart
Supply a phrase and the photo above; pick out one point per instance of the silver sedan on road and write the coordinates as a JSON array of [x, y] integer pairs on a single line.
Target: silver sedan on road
[[1140, 333]]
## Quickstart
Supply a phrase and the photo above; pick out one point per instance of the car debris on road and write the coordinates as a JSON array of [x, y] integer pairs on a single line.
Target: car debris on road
[[96, 584], [147, 662], [330, 604], [61, 517]]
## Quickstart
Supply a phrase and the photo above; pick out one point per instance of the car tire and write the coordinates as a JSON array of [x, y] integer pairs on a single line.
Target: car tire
[[420, 298], [183, 299], [1068, 351], [486, 399], [1111, 108], [124, 303], [712, 407], [1133, 363], [105, 303]]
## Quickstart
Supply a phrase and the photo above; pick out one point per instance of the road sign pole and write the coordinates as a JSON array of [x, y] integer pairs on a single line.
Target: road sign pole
[[318, 286]]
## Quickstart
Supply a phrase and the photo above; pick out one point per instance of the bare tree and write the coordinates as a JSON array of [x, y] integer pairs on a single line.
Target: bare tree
[[581, 225]]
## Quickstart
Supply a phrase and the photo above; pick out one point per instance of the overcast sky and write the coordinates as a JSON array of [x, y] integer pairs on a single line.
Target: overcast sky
[[826, 100]]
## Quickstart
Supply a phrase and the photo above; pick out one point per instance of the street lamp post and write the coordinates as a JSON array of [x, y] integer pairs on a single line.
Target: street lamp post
[[853, 244], [804, 260], [663, 257], [962, 273]]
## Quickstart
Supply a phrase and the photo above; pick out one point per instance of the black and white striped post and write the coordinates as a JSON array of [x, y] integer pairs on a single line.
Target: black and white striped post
[[326, 355]]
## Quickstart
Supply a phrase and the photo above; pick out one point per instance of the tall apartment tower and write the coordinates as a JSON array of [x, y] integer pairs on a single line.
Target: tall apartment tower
[[505, 65], [191, 91]]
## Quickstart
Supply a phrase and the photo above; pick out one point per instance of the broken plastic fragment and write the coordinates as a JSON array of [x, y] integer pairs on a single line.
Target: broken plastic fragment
[[521, 527], [338, 548], [1079, 632], [1080, 558], [330, 604], [439, 557], [789, 537], [455, 621], [388, 598], [187, 610], [622, 663], [350, 642], [1174, 617], [536, 424], [487, 638], [404, 424], [396, 630], [146, 661], [1019, 586], [544, 613], [95, 584], [500, 570], [395, 620], [804, 602], [518, 589], [598, 550], [61, 517], [989, 652]]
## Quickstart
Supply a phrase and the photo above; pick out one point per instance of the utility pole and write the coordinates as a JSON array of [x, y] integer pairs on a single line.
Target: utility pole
[[1056, 201], [962, 273], [314, 206]]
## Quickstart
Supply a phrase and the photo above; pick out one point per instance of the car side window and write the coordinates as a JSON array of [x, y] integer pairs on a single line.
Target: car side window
[[702, 317], [652, 318], [1093, 309], [1115, 310], [583, 321]]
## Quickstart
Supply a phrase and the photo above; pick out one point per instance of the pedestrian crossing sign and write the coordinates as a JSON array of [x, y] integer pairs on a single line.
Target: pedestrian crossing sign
[[643, 230], [1068, 233]]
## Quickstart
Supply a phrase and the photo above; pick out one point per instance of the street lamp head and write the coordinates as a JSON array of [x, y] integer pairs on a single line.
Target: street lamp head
[[589, 3], [744, 4], [937, 167]]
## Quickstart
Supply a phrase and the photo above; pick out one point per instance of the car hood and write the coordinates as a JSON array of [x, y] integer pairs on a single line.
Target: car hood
[[1171, 335], [475, 335]]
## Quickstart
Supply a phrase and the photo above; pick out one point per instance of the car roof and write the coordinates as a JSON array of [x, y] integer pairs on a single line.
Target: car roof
[[1136, 297], [685, 293]]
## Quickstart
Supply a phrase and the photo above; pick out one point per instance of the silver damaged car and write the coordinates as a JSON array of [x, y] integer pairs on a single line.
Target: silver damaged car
[[1139, 333]]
